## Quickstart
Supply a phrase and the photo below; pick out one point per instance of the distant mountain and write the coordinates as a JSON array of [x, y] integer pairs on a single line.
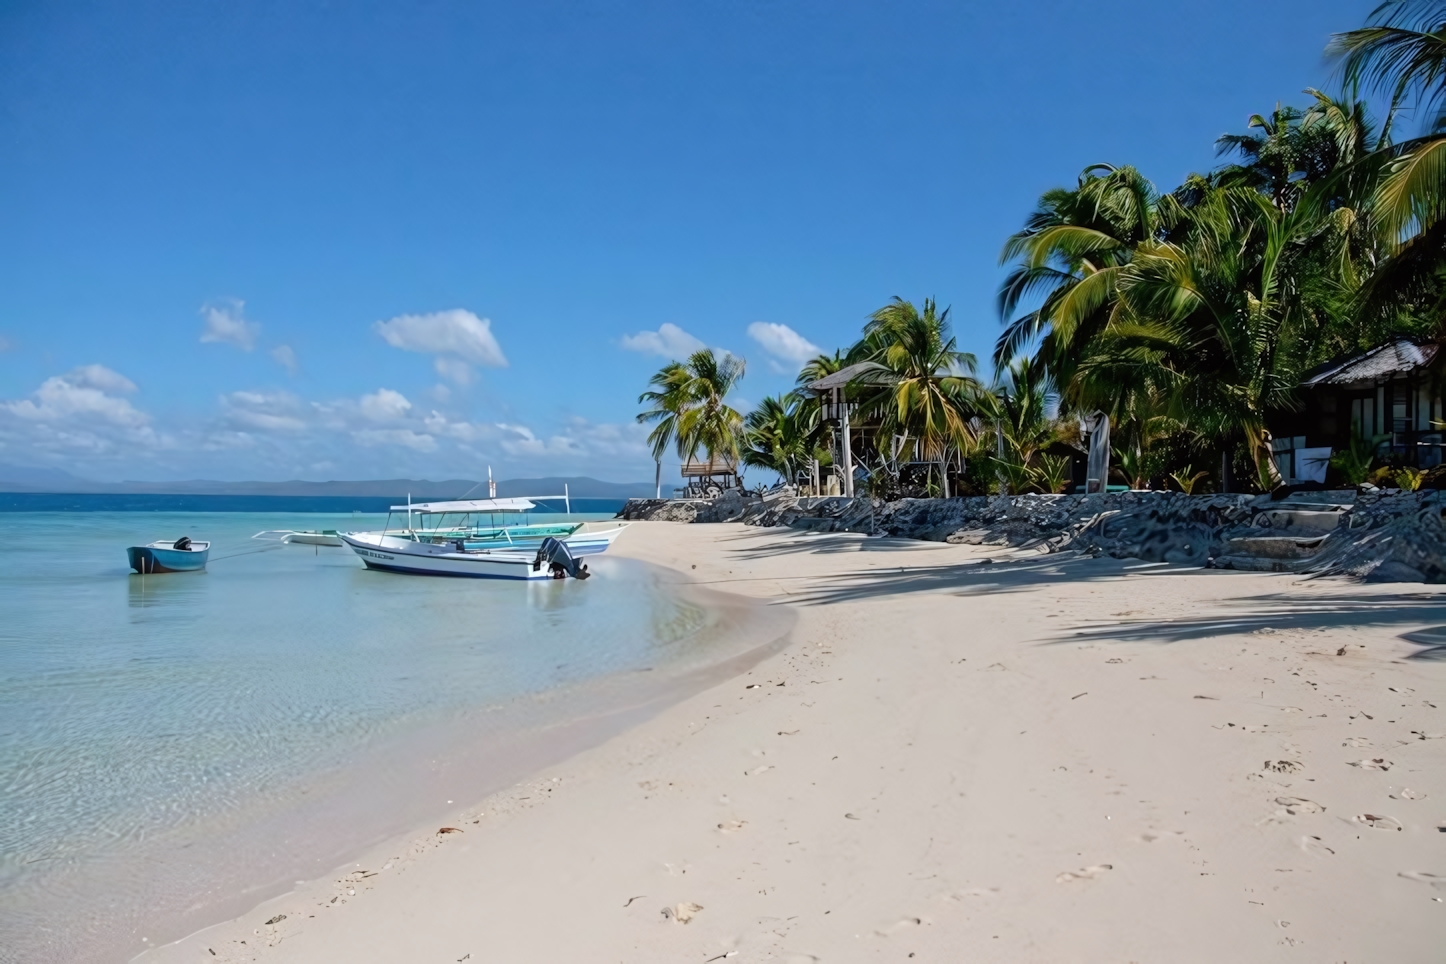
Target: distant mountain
[[21, 478], [18, 479]]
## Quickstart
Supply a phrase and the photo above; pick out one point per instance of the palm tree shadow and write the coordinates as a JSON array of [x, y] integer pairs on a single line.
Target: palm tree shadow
[[830, 545], [1283, 612], [980, 578]]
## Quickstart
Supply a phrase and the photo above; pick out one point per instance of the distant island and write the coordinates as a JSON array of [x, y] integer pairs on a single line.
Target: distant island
[[23, 479]]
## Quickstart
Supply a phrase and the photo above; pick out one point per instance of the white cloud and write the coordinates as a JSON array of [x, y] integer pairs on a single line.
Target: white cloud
[[580, 443], [81, 413], [384, 405], [417, 441], [669, 341], [285, 357], [457, 332], [453, 369], [89, 392], [782, 342], [264, 411], [438, 424], [225, 323]]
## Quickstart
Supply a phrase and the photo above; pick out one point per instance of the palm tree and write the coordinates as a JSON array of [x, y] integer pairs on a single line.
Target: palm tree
[[1221, 318], [690, 409], [919, 386], [1018, 408], [1403, 51], [1069, 257], [669, 400], [777, 437], [707, 421]]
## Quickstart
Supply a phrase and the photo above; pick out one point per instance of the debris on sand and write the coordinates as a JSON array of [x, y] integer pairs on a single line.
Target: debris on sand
[[682, 913]]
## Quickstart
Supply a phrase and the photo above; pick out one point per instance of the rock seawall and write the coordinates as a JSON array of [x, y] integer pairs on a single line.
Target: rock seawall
[[1398, 537]]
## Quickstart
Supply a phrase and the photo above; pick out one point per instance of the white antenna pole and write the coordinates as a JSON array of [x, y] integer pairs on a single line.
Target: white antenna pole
[[491, 486], [566, 502], [409, 512]]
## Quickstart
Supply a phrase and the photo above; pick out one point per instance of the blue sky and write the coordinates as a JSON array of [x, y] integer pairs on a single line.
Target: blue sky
[[323, 240]]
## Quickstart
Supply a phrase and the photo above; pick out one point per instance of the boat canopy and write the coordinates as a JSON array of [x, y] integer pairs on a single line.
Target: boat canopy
[[471, 505]]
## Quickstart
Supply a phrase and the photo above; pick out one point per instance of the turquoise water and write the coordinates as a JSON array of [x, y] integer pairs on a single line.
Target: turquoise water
[[154, 729]]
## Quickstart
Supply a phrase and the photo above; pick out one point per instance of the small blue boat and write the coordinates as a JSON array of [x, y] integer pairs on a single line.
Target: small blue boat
[[182, 555]]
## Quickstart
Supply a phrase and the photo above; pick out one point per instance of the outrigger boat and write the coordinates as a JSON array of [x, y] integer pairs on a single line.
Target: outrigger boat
[[305, 537], [464, 547], [180, 555]]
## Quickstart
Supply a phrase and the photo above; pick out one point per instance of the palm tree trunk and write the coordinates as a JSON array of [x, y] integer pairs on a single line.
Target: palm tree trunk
[[658, 478]]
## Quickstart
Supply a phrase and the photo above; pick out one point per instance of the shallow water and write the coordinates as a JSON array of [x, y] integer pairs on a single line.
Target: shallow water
[[167, 739]]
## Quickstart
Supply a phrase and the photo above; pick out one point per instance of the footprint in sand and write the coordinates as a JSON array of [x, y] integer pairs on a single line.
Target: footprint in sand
[[1421, 877], [1378, 763], [903, 923], [1282, 766], [1089, 873], [1313, 845], [1296, 805], [1357, 741], [1408, 794], [731, 826], [1377, 822]]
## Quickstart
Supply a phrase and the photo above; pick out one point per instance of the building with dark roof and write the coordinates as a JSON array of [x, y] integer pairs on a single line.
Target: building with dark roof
[[1392, 392]]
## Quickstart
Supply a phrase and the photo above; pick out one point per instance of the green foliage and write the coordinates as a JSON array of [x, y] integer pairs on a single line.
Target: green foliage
[[782, 435], [1186, 479], [1409, 479], [918, 387], [1052, 474], [1198, 310], [1188, 317], [1354, 463]]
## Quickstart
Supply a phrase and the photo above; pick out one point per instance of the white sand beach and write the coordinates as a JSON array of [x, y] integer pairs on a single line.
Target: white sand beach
[[963, 753]]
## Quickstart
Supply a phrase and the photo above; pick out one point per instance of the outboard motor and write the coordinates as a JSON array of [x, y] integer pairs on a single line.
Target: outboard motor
[[182, 543], [560, 561]]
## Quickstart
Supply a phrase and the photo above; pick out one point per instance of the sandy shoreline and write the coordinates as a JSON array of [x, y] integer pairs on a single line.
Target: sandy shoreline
[[1037, 758]]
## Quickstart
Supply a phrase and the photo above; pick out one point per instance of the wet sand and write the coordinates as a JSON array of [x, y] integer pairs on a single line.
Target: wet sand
[[1029, 758]]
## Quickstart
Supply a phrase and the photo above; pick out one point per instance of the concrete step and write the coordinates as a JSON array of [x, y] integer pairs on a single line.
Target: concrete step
[[1275, 547], [1312, 519], [1258, 564]]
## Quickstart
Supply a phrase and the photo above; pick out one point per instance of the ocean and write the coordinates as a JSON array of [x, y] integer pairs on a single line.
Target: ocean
[[176, 747]]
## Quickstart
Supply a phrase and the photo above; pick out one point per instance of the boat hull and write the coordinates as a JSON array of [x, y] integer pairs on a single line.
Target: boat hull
[[392, 554], [313, 539], [149, 559]]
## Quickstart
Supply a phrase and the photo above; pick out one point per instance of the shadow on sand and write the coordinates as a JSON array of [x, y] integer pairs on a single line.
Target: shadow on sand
[[972, 578], [1301, 613], [1241, 616]]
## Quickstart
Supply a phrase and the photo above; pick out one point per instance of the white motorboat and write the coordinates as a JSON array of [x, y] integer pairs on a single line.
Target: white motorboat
[[464, 547], [401, 553]]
